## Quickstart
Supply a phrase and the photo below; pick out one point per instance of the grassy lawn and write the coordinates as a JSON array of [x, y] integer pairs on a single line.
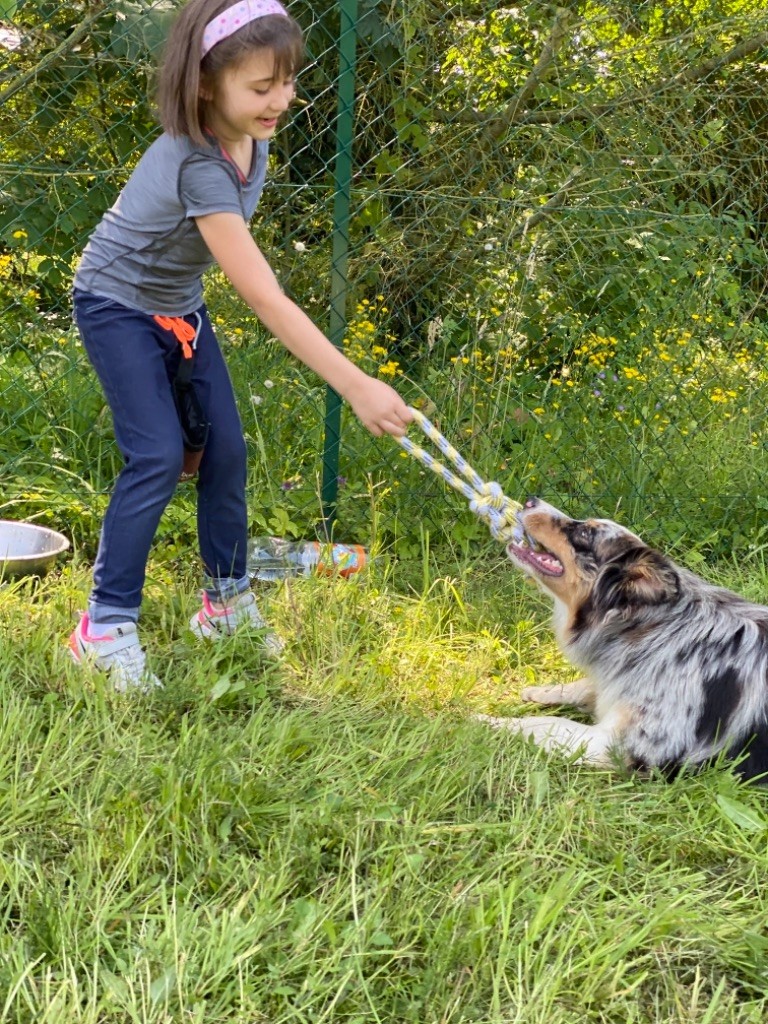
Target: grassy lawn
[[332, 838]]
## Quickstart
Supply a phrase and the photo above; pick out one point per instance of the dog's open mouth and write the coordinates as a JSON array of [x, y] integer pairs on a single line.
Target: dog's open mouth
[[528, 551]]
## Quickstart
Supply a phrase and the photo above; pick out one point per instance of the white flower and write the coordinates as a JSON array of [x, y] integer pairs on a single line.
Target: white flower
[[10, 39], [257, 399], [268, 384], [299, 247]]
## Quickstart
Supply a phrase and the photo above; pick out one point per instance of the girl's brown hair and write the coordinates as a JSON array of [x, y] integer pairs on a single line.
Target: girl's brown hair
[[181, 107]]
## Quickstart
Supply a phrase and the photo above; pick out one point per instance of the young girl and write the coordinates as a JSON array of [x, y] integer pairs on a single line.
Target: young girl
[[227, 77]]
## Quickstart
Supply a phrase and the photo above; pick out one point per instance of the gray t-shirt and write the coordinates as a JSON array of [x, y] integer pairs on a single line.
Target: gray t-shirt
[[147, 252]]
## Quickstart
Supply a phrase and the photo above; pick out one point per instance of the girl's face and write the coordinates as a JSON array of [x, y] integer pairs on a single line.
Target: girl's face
[[246, 100]]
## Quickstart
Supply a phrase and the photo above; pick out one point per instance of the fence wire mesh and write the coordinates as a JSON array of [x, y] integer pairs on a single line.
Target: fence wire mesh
[[544, 224]]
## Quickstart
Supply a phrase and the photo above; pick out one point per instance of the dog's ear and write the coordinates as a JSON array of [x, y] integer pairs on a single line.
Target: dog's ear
[[638, 576]]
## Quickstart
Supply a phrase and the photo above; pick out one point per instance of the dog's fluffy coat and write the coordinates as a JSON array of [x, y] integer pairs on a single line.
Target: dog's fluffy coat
[[676, 669]]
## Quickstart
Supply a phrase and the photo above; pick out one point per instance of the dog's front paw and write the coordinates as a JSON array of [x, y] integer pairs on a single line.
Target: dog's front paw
[[579, 694], [499, 723], [543, 694]]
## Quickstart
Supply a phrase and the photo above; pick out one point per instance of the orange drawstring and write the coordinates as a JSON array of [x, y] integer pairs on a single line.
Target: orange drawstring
[[182, 331]]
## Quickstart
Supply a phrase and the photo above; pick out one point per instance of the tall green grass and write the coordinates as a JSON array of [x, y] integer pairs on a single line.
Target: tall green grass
[[332, 838]]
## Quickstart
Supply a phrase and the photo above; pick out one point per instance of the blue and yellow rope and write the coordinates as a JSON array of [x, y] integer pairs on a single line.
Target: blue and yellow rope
[[486, 500]]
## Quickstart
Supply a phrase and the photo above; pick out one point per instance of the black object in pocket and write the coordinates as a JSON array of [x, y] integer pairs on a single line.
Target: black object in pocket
[[194, 425]]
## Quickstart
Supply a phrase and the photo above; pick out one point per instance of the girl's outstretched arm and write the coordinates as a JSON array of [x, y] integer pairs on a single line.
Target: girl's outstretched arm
[[378, 406]]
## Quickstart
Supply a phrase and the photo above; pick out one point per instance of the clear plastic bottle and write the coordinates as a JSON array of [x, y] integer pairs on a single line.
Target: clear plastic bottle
[[273, 558]]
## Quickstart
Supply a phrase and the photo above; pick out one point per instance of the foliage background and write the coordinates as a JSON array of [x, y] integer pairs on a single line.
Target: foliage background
[[556, 248]]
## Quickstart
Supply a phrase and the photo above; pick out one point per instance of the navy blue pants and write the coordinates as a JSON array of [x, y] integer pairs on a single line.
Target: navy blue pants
[[136, 361]]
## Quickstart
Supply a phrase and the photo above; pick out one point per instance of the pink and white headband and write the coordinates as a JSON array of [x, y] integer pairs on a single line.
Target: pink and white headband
[[234, 17]]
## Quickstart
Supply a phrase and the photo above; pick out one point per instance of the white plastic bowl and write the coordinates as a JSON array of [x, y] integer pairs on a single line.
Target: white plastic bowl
[[26, 549]]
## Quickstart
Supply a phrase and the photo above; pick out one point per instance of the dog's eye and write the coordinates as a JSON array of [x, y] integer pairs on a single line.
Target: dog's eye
[[583, 536]]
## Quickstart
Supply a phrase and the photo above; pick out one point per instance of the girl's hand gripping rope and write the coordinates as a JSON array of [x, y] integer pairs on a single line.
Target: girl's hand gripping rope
[[378, 407], [486, 500]]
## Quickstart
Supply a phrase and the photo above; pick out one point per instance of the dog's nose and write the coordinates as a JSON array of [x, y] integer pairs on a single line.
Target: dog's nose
[[531, 502]]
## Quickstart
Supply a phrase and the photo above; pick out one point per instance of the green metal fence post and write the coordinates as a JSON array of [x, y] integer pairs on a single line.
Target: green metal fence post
[[340, 257]]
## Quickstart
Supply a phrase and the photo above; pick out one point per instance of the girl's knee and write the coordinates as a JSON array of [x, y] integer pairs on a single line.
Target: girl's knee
[[226, 457], [160, 467]]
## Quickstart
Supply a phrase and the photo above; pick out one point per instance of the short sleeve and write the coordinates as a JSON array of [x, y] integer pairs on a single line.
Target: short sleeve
[[208, 186]]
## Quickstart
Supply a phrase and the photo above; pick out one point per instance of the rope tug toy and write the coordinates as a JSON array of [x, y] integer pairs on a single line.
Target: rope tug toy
[[486, 500]]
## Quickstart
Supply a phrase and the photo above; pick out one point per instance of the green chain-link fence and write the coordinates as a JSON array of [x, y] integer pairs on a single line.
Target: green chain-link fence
[[544, 224]]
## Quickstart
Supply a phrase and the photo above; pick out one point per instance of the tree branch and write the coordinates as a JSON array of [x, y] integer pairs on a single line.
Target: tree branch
[[509, 115], [554, 201], [694, 74], [64, 47]]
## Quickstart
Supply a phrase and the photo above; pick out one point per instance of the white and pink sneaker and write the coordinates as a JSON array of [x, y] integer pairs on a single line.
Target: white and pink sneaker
[[115, 650], [241, 613]]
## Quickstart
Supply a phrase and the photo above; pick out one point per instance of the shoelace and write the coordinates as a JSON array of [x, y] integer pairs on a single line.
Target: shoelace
[[131, 657], [239, 613]]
